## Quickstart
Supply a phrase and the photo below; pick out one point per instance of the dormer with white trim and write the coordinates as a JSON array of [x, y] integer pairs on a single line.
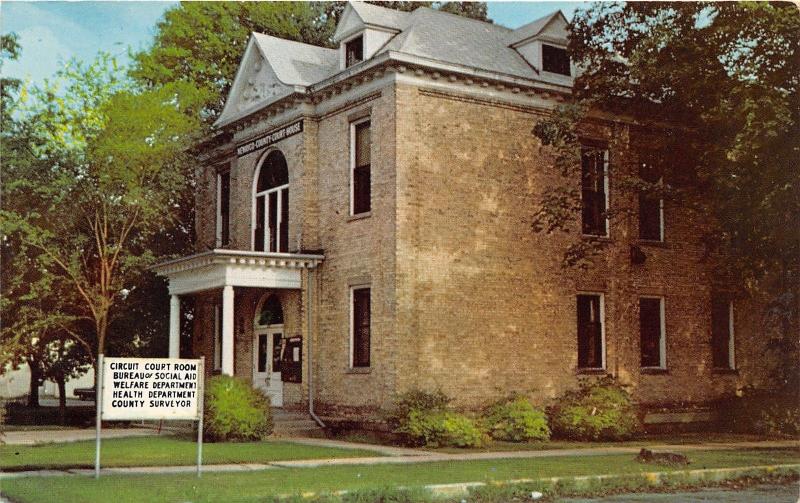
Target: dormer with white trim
[[543, 44], [363, 30]]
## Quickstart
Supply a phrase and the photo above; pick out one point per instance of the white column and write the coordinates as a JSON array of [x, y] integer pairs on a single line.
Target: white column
[[227, 330], [174, 326]]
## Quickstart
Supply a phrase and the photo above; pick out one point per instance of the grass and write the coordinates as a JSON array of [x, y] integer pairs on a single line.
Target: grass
[[261, 485], [160, 451]]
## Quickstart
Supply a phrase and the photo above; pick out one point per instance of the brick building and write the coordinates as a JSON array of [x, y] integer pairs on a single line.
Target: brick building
[[364, 228]]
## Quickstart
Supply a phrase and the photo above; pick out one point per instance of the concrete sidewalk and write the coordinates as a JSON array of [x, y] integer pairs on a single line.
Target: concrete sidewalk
[[33, 437], [417, 456]]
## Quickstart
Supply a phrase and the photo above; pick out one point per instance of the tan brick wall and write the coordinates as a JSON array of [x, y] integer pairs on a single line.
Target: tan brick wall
[[357, 251], [485, 300]]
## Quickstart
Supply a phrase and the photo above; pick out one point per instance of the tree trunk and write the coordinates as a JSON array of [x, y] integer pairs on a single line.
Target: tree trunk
[[62, 400], [33, 391]]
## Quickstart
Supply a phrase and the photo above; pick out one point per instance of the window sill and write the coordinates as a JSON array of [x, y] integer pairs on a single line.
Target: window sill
[[724, 371], [597, 237], [652, 243], [359, 216], [591, 371], [359, 370], [653, 371]]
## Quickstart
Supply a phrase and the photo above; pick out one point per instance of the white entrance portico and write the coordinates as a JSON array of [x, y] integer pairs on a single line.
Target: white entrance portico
[[224, 270]]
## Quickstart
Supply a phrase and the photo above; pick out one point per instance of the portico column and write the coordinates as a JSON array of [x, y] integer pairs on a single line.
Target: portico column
[[227, 330], [174, 326]]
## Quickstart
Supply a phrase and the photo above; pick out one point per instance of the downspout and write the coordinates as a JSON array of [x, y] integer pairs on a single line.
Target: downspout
[[310, 366]]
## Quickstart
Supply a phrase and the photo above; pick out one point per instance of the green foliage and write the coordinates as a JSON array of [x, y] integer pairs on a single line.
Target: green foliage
[[97, 175], [422, 418], [202, 43], [235, 411], [762, 412], [417, 400], [443, 429], [718, 84], [516, 420], [600, 410]]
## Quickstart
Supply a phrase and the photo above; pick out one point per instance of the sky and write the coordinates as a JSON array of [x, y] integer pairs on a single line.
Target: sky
[[51, 33]]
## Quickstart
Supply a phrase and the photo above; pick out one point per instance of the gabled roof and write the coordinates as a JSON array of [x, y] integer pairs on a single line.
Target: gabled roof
[[290, 65], [295, 63], [534, 28], [369, 15], [459, 40]]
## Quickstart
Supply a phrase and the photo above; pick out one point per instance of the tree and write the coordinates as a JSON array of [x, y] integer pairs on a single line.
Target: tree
[[116, 167], [202, 42], [720, 82]]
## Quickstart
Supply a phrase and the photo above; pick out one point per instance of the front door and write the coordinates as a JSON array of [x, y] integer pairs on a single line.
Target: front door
[[266, 360]]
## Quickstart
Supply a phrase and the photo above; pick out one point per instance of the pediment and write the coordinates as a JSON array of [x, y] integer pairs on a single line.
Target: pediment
[[256, 83], [350, 23], [555, 30]]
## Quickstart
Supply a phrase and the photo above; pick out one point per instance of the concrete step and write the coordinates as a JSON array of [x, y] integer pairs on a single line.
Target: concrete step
[[294, 423]]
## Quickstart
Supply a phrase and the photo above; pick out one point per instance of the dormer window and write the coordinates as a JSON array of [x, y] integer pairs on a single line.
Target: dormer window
[[354, 51], [555, 60]]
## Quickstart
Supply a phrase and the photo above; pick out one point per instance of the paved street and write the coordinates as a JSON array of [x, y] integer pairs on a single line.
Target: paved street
[[757, 494]]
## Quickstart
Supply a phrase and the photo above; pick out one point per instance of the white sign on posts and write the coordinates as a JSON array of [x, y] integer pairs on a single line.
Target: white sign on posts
[[131, 389], [151, 388]]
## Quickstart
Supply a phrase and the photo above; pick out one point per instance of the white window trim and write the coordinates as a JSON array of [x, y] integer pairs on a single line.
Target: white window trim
[[253, 217], [731, 343], [353, 164], [602, 330], [219, 210], [353, 288], [557, 46], [606, 188], [662, 343], [216, 344], [343, 50]]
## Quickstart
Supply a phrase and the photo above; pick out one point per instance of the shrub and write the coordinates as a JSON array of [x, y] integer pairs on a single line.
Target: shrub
[[422, 418], [516, 420], [235, 411], [761, 412], [443, 429], [599, 411], [415, 400]]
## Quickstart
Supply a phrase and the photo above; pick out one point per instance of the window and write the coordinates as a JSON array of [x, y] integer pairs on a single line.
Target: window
[[651, 206], [217, 337], [722, 333], [354, 51], [651, 329], [360, 314], [594, 191], [223, 208], [555, 60], [361, 144], [591, 340], [271, 201]]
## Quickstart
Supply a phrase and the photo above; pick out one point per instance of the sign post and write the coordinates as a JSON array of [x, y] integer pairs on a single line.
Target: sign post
[[99, 406], [150, 389]]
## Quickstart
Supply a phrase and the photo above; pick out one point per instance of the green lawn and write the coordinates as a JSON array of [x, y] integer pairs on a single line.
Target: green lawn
[[157, 451], [259, 486]]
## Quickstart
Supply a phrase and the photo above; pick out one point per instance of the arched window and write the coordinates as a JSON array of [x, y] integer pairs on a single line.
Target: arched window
[[271, 312], [271, 201]]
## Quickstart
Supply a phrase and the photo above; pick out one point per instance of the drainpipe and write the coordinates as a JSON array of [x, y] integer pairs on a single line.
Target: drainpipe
[[310, 366]]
